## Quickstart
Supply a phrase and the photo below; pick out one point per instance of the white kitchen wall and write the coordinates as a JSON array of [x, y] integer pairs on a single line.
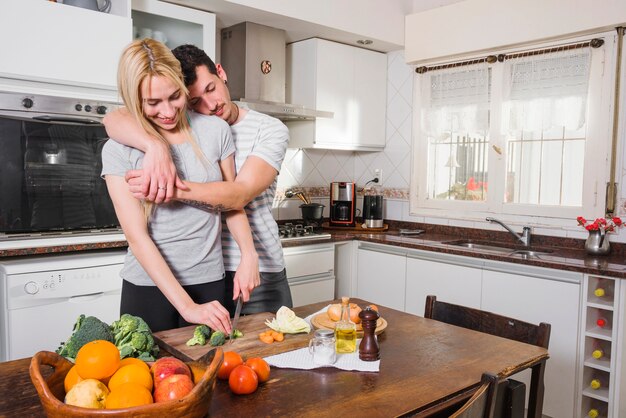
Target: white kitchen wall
[[314, 170]]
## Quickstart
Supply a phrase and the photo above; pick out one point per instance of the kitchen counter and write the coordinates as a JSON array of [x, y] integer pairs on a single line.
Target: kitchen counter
[[567, 254]]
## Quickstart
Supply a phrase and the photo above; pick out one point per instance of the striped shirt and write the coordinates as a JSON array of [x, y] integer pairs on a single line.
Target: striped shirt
[[264, 137]]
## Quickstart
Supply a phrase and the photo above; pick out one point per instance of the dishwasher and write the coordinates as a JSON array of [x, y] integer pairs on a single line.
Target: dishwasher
[[42, 296]]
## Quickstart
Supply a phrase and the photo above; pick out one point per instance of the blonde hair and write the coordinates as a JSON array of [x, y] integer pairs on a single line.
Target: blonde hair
[[141, 60]]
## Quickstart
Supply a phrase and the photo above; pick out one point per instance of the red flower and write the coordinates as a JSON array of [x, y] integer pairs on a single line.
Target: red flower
[[471, 184], [601, 224]]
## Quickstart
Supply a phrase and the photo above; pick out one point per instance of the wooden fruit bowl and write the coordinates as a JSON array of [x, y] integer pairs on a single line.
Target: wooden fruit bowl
[[51, 391]]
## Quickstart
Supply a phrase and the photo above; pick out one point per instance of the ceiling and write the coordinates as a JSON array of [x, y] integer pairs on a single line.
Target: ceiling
[[230, 12]]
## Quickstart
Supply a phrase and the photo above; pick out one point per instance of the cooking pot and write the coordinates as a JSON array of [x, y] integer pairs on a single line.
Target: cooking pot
[[312, 211]]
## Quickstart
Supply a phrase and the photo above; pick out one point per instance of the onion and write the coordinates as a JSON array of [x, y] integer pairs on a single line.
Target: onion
[[354, 313], [334, 312]]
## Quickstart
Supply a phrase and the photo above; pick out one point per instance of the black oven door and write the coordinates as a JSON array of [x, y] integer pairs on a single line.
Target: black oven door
[[50, 175]]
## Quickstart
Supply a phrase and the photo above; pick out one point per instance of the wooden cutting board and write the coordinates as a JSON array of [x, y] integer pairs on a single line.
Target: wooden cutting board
[[321, 320], [249, 345]]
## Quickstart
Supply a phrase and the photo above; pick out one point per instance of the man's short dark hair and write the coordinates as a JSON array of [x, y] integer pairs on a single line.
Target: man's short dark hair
[[190, 57]]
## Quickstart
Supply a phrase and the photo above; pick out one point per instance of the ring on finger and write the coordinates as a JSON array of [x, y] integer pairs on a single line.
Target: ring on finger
[[162, 188]]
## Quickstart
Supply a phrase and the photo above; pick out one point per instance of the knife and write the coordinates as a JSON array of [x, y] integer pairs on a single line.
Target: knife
[[236, 318]]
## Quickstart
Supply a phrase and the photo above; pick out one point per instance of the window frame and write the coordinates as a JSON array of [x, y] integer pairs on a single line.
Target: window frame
[[597, 149]]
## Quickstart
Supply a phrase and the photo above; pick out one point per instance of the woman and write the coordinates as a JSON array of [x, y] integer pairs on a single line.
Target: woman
[[173, 273]]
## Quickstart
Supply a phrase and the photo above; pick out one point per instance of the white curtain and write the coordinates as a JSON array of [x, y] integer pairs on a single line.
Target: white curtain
[[455, 100], [546, 91]]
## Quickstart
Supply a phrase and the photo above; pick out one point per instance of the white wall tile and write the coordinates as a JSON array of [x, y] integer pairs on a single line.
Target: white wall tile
[[393, 209], [289, 209]]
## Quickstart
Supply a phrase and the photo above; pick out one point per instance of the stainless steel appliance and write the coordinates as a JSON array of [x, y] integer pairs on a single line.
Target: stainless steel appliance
[[300, 231], [373, 211], [254, 57], [50, 167], [342, 204], [46, 294]]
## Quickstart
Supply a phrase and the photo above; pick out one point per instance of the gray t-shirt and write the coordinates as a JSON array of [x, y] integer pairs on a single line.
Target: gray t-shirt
[[188, 238], [264, 137]]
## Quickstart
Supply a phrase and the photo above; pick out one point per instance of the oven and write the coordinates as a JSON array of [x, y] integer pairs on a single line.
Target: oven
[[50, 166]]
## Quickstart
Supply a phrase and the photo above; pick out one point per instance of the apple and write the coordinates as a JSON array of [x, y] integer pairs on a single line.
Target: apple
[[88, 393], [173, 387], [167, 366]]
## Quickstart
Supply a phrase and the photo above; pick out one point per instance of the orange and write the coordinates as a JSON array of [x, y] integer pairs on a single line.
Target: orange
[[71, 378], [132, 360], [127, 395], [134, 373], [97, 360]]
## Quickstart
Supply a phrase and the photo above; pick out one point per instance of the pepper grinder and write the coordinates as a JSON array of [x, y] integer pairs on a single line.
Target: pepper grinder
[[369, 349]]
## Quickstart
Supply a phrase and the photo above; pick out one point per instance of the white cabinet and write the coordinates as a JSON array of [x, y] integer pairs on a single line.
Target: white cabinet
[[401, 278], [551, 296], [179, 25], [449, 282], [310, 272], [348, 81], [381, 275], [345, 268], [62, 44]]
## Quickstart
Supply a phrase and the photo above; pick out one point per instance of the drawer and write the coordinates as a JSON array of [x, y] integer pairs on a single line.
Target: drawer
[[312, 289], [309, 260]]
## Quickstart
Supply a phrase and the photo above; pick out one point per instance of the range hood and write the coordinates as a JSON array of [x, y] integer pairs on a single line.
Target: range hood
[[255, 61]]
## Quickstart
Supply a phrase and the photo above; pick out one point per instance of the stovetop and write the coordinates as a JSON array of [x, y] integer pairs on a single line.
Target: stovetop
[[301, 231]]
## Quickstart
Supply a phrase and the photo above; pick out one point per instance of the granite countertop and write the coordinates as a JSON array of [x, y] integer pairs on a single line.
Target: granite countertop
[[565, 254]]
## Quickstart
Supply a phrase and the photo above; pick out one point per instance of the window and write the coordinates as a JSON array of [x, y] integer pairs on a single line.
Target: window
[[528, 135]]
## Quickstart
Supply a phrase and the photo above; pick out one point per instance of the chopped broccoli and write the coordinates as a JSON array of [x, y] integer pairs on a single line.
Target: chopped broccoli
[[133, 338], [236, 334], [200, 335], [217, 338], [86, 329]]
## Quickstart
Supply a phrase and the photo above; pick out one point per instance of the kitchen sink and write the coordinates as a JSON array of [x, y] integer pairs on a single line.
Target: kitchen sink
[[499, 248]]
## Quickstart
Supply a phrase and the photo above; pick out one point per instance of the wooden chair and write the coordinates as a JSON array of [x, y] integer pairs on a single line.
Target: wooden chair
[[502, 326], [482, 403]]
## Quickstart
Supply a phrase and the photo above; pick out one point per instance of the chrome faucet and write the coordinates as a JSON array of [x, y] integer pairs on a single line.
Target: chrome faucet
[[524, 238]]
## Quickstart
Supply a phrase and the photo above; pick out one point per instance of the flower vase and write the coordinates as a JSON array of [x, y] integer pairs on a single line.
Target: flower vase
[[597, 243]]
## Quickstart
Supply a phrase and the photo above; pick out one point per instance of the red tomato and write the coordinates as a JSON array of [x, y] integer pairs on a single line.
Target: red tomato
[[260, 367], [243, 380], [231, 360]]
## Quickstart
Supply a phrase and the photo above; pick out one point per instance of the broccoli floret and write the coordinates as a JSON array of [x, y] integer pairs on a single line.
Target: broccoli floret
[[124, 327], [237, 334], [86, 329], [133, 338], [200, 335], [217, 338]]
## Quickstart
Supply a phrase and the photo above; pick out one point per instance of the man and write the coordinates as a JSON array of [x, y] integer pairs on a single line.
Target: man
[[260, 142]]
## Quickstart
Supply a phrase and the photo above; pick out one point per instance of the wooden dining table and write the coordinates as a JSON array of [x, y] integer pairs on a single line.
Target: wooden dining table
[[425, 367]]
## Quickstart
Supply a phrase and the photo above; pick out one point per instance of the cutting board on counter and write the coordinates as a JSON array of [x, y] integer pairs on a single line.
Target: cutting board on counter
[[249, 345]]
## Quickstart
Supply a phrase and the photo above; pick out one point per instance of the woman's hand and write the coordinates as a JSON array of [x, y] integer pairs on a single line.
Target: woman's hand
[[211, 313], [247, 276], [158, 178]]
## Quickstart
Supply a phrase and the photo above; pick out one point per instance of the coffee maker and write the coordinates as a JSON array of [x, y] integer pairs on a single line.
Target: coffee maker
[[342, 204]]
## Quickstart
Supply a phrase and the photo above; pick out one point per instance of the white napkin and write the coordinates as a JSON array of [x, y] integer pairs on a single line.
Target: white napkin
[[303, 359]]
